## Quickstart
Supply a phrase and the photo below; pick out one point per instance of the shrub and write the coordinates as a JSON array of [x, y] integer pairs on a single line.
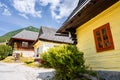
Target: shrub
[[4, 51], [67, 60]]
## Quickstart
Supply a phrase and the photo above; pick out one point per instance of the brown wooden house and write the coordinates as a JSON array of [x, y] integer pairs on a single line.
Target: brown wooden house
[[23, 43]]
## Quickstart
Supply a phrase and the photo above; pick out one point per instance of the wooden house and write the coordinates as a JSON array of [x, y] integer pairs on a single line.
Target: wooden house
[[23, 43], [95, 28], [48, 38]]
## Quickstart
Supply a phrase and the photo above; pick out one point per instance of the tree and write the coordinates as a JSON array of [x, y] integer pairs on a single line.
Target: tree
[[4, 51], [67, 60]]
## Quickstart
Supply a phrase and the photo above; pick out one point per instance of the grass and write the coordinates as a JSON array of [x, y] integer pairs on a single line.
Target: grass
[[28, 61], [9, 59]]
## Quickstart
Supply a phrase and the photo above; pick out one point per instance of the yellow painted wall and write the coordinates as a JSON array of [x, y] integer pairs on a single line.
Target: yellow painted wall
[[45, 45], [47, 42], [36, 45], [106, 60]]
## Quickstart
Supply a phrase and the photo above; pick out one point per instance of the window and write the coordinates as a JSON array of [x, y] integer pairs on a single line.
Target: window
[[25, 44], [38, 50], [15, 45], [103, 38]]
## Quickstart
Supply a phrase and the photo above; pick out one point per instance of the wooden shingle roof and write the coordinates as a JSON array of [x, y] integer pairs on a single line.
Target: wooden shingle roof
[[27, 35], [49, 34], [79, 6], [85, 11]]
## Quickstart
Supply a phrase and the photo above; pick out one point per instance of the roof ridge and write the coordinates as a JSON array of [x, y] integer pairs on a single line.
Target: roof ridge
[[48, 27], [49, 35], [26, 34]]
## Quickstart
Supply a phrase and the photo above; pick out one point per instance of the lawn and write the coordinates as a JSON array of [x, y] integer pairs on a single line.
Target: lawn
[[28, 61]]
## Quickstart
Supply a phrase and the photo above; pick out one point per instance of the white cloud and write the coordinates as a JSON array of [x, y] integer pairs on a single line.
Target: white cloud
[[4, 9], [6, 12], [26, 7], [60, 8], [24, 15], [3, 5], [52, 2]]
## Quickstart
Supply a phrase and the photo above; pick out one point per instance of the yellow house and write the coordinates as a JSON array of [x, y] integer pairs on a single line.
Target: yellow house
[[96, 24], [48, 38]]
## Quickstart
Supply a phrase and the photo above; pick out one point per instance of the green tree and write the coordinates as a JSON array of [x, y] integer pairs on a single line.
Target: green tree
[[4, 51], [67, 60]]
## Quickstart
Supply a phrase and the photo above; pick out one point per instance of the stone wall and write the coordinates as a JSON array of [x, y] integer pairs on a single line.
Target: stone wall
[[109, 75]]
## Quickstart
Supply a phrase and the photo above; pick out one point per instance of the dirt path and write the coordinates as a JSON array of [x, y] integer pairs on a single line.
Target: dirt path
[[16, 71]]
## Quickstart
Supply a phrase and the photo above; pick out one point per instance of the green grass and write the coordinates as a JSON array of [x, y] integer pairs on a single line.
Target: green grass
[[28, 61], [9, 59]]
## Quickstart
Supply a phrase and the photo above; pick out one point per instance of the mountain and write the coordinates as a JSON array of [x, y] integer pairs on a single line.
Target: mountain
[[8, 35]]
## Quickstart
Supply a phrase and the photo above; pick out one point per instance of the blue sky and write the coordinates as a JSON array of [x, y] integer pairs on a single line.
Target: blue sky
[[16, 14]]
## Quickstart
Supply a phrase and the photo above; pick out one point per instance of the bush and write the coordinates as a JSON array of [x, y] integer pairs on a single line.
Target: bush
[[4, 51], [67, 60]]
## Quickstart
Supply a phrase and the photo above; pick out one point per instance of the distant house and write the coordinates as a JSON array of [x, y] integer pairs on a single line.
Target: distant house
[[96, 24], [2, 43], [48, 38], [23, 43]]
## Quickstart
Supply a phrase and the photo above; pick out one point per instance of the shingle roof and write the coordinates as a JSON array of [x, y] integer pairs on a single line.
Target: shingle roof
[[85, 11], [80, 5], [28, 35], [49, 34]]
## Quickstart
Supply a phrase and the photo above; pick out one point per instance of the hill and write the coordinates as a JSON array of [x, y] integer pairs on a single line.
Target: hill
[[8, 35]]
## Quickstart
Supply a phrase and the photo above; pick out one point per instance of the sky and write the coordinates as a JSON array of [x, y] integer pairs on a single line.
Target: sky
[[16, 14]]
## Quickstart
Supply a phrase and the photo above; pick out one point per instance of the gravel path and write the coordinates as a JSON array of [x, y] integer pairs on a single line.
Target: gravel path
[[17, 71]]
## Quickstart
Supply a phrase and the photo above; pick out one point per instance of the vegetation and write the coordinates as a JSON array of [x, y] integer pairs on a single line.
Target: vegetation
[[8, 35], [28, 61], [67, 60], [4, 51], [9, 59]]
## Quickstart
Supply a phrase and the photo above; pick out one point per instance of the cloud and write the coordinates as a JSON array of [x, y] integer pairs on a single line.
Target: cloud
[[24, 15], [3, 5], [60, 8], [26, 7], [52, 2], [4, 10]]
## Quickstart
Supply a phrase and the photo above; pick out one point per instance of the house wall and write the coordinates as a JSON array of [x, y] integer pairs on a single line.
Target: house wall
[[106, 60], [2, 43], [19, 45], [42, 46], [26, 51]]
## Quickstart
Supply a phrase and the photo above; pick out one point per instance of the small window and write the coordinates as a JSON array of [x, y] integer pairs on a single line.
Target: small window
[[25, 44], [15, 45], [38, 50], [103, 38]]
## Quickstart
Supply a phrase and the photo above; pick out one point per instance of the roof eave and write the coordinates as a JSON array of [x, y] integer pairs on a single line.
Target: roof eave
[[54, 41], [93, 7], [22, 39]]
